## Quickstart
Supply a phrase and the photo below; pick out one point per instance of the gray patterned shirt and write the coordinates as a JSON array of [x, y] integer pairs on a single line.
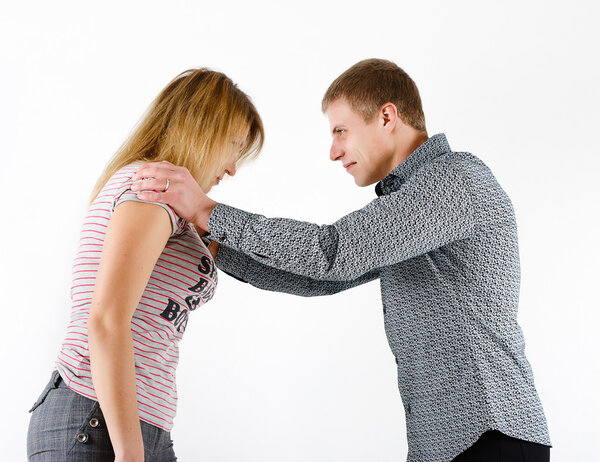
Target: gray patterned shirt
[[442, 239]]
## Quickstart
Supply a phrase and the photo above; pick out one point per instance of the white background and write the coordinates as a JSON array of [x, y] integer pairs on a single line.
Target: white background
[[269, 377]]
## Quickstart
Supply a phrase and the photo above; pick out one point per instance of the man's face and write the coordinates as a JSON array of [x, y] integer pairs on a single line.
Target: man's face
[[362, 147]]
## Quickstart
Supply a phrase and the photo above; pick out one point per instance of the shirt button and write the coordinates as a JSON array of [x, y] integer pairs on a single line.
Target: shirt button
[[94, 422], [82, 438]]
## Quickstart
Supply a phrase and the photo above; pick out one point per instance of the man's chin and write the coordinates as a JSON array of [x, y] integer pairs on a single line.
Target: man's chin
[[362, 182]]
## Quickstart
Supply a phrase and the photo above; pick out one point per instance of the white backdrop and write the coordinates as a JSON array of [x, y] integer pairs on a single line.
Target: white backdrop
[[270, 377]]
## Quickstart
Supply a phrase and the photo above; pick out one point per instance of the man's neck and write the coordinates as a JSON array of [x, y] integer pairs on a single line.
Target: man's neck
[[409, 145], [405, 145]]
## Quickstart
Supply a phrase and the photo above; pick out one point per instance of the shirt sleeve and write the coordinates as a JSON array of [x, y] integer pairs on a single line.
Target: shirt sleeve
[[246, 269], [430, 210], [124, 193]]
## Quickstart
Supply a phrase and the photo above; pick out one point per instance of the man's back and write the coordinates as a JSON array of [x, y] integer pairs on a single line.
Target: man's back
[[450, 315]]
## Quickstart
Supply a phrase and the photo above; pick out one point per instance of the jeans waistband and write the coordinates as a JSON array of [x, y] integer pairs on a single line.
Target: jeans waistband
[[56, 380]]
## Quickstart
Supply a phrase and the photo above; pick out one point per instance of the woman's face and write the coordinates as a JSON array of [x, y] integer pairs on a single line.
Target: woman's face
[[229, 165]]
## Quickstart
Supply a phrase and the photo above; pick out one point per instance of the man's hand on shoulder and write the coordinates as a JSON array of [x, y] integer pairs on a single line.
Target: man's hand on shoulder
[[173, 185]]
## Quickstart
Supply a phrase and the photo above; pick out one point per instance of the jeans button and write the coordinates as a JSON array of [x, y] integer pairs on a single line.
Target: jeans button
[[82, 438], [94, 422]]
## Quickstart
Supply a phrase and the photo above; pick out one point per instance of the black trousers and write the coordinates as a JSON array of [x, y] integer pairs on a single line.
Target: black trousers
[[494, 446]]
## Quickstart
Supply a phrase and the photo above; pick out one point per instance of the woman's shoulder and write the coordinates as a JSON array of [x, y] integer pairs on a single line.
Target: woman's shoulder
[[122, 178], [124, 174]]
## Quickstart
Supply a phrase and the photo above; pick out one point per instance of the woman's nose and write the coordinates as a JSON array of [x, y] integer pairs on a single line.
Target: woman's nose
[[231, 169]]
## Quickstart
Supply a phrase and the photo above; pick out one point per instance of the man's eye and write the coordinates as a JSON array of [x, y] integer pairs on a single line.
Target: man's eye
[[339, 131]]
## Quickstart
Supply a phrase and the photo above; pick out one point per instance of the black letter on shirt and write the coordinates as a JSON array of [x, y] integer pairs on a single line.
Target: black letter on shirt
[[181, 321], [193, 301], [206, 266], [202, 283], [171, 310]]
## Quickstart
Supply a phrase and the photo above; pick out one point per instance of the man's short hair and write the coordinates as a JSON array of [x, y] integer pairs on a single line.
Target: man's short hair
[[371, 83]]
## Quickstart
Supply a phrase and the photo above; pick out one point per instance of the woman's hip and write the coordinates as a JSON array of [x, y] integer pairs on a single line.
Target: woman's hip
[[66, 426]]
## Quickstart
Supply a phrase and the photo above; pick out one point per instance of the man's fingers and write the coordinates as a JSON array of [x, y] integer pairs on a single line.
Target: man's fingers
[[151, 184], [153, 170], [162, 169], [152, 196]]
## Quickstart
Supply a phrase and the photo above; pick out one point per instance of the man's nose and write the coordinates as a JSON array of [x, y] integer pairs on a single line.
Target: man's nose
[[336, 152]]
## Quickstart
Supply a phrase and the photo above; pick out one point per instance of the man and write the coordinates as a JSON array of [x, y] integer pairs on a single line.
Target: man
[[442, 238]]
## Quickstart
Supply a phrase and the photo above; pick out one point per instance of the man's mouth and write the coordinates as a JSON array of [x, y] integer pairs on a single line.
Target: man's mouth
[[348, 165]]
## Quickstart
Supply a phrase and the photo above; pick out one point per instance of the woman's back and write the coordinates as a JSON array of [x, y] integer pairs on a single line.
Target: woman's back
[[183, 278]]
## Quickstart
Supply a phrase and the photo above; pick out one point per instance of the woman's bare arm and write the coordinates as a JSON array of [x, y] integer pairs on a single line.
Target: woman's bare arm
[[136, 236]]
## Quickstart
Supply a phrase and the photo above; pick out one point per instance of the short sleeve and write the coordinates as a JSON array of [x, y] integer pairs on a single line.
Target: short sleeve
[[124, 193]]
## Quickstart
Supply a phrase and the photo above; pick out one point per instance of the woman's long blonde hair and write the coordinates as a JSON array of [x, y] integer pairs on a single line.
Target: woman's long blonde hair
[[192, 123]]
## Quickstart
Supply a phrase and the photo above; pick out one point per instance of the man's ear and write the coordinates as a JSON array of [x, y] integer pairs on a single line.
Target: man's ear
[[388, 115]]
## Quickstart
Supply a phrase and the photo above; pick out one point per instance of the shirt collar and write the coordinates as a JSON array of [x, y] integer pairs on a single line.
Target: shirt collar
[[427, 152]]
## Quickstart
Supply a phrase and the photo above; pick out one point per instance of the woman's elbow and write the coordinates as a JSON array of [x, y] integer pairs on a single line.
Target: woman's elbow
[[104, 322]]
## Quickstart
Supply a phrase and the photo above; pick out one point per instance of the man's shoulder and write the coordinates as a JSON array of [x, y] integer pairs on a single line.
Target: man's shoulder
[[449, 165], [467, 164], [462, 159], [483, 186]]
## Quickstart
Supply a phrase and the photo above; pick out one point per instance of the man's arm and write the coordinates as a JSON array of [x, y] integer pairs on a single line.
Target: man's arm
[[246, 269], [432, 209]]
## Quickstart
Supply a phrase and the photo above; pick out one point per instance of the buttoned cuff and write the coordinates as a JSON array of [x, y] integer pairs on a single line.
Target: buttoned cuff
[[226, 225]]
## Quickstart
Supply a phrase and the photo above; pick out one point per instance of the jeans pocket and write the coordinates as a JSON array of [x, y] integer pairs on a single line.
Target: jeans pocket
[[91, 436]]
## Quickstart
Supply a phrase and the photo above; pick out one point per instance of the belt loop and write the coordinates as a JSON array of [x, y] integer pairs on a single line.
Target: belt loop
[[56, 378]]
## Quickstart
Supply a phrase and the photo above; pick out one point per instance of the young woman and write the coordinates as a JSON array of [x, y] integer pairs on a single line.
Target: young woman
[[139, 273]]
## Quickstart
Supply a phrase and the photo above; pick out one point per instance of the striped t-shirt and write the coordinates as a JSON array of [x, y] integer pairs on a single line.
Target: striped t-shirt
[[184, 278]]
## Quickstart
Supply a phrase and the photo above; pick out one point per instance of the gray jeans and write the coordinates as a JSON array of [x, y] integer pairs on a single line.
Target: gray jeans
[[66, 426]]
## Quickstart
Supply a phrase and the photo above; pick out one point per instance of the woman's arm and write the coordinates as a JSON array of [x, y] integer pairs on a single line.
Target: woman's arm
[[136, 236]]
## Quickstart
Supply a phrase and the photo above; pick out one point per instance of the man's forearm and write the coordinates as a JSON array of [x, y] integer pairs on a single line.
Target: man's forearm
[[434, 210], [247, 269]]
